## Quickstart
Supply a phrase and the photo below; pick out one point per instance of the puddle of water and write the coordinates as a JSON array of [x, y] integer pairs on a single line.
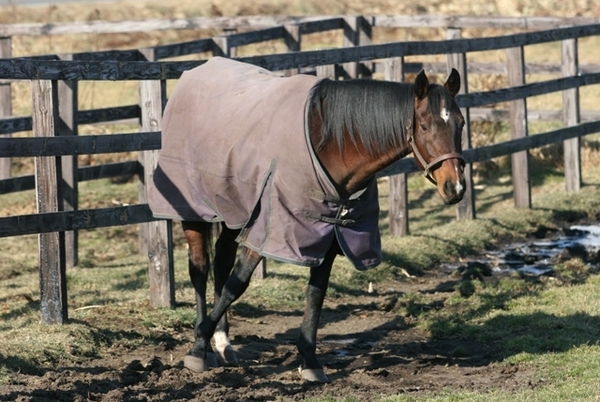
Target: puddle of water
[[347, 341], [535, 271], [537, 257], [590, 238], [340, 351]]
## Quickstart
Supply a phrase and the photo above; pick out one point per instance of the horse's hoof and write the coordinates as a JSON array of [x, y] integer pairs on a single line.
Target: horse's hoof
[[313, 375], [198, 364], [227, 356]]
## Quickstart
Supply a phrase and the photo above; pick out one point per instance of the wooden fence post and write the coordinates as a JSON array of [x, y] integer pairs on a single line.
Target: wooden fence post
[[466, 208], [571, 117], [161, 275], [67, 125], [518, 127], [148, 54], [223, 47], [293, 41], [5, 104], [398, 183], [53, 281], [358, 31], [327, 71]]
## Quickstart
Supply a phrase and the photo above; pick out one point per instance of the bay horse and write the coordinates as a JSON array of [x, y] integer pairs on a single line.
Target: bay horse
[[288, 165]]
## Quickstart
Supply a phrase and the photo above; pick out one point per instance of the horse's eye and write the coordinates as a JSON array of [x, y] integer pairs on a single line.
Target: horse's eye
[[424, 127]]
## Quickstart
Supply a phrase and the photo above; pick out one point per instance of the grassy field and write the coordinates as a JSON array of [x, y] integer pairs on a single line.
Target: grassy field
[[551, 327], [548, 326]]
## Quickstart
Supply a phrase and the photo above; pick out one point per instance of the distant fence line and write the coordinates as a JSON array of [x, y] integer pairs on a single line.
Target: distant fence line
[[10, 124], [255, 22], [55, 118]]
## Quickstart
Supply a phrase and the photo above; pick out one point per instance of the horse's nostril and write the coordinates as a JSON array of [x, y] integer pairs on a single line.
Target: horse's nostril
[[449, 188]]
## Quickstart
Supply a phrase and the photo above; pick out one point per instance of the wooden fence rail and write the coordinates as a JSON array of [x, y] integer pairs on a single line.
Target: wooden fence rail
[[86, 173], [50, 146], [255, 22]]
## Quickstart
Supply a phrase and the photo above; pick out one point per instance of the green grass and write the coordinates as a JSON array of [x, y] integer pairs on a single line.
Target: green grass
[[552, 329]]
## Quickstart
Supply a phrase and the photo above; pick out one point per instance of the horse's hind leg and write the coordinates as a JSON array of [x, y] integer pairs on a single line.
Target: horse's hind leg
[[225, 254], [233, 288], [311, 369], [198, 238]]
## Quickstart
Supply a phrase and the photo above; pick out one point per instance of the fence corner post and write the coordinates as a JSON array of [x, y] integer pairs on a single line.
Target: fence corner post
[[161, 275]]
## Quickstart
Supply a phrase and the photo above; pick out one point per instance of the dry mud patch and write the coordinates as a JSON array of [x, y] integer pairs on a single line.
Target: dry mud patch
[[368, 350]]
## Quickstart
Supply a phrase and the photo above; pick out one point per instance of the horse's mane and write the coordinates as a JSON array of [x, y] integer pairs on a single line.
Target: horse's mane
[[375, 113]]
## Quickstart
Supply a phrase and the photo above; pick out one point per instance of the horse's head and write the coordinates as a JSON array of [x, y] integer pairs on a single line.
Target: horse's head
[[436, 135]]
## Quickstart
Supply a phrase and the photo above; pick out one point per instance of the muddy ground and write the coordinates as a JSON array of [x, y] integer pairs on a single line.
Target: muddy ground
[[368, 351]]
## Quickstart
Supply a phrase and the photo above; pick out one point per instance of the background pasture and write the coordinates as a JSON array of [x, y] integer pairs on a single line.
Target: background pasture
[[538, 337]]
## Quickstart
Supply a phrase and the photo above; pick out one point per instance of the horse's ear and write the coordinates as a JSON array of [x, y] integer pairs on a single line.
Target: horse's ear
[[421, 85], [453, 82]]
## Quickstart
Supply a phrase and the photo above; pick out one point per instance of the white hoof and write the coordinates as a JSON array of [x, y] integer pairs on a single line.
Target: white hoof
[[225, 352], [227, 356]]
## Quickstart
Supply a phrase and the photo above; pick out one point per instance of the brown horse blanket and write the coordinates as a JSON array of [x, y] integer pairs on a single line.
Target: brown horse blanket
[[235, 148]]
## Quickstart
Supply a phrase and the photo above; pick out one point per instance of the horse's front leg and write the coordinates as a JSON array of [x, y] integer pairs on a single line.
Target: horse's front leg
[[234, 287], [311, 369]]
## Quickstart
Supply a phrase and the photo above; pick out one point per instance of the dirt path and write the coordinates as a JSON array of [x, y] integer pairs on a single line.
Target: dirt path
[[367, 349]]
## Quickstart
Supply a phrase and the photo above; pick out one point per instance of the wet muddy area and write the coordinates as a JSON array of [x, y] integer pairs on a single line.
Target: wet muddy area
[[537, 257]]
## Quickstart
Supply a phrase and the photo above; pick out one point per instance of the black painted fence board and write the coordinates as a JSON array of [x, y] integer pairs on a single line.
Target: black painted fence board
[[92, 116], [408, 165], [116, 70], [17, 124], [80, 145], [321, 25], [523, 91], [86, 173], [11, 125], [74, 220], [183, 48]]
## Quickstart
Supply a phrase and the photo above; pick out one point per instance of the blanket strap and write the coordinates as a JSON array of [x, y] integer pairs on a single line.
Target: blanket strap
[[328, 219]]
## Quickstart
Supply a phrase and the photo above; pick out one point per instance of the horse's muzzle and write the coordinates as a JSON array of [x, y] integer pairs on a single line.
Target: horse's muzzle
[[453, 192]]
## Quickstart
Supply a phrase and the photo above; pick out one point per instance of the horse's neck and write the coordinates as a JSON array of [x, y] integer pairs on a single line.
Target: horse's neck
[[351, 170]]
